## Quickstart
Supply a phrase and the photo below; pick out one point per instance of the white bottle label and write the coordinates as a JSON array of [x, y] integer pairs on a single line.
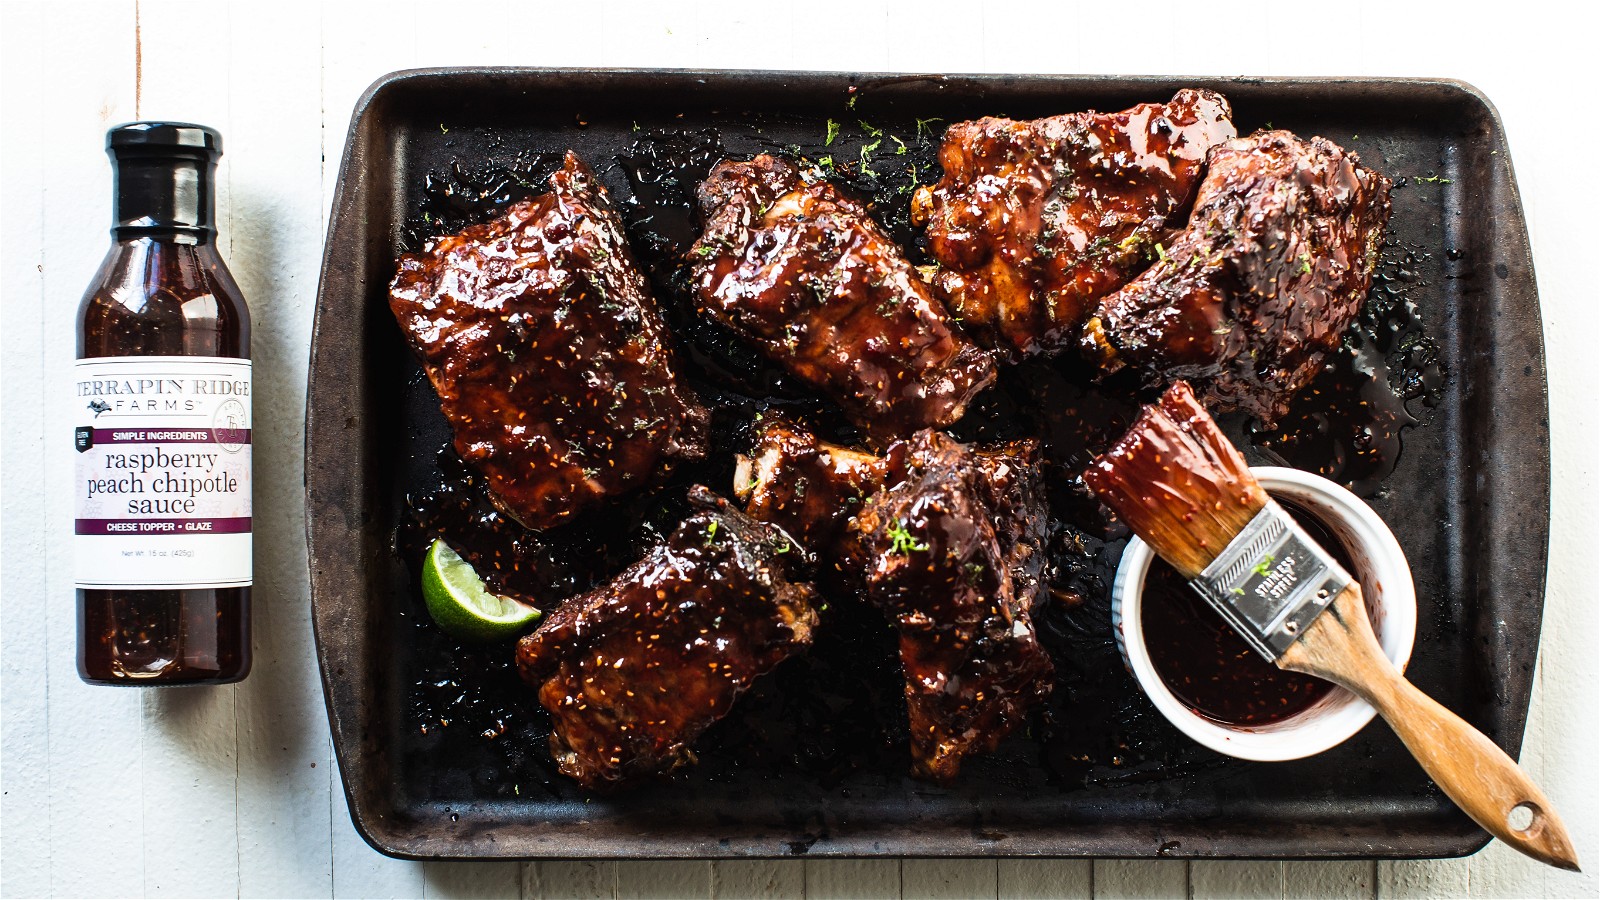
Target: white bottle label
[[162, 497]]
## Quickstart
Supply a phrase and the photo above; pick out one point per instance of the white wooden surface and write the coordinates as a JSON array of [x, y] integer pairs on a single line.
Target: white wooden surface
[[233, 791]]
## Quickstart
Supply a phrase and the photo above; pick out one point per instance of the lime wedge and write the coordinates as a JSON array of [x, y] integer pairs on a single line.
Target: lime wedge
[[462, 606]]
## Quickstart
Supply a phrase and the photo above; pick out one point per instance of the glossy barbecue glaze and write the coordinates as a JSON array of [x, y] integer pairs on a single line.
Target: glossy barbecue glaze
[[802, 270], [805, 485], [633, 671], [548, 353], [952, 551], [1263, 283], [1036, 220]]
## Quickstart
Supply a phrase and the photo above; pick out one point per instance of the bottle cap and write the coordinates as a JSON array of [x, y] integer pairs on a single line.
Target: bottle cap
[[164, 173], [164, 139]]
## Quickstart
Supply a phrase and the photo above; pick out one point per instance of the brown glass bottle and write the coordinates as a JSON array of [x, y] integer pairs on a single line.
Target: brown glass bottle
[[163, 522]]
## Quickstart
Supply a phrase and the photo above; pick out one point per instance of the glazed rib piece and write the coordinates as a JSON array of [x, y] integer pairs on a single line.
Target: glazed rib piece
[[802, 271], [1034, 221], [549, 355], [952, 552], [1263, 283], [634, 671], [805, 485]]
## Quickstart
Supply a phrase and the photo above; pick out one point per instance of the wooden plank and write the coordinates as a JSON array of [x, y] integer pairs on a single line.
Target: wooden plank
[[1423, 878], [96, 764], [1137, 879], [815, 45], [646, 33], [948, 878], [471, 880], [191, 733], [523, 19], [273, 147], [24, 682], [360, 871], [735, 35], [359, 42], [1235, 879], [743, 878], [571, 880], [1060, 878], [919, 26], [860, 879], [653, 879], [24, 696], [1354, 879]]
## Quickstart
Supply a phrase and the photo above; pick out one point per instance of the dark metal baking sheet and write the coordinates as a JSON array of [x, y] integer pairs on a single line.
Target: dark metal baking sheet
[[1469, 501]]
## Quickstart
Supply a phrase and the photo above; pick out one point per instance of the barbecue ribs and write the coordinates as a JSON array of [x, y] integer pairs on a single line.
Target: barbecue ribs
[[548, 353], [1036, 220], [1247, 301], [801, 270], [804, 485], [633, 671], [952, 551]]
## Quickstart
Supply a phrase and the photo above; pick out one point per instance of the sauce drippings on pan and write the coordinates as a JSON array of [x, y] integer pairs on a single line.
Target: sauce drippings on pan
[[1208, 666], [1347, 424]]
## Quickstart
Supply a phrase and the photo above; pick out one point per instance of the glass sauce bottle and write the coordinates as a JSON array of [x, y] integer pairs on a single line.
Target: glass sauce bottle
[[162, 397]]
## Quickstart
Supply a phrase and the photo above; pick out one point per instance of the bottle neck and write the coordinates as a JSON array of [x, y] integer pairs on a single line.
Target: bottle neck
[[164, 197]]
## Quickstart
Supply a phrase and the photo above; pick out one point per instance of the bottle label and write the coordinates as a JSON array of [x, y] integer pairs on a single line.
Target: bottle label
[[162, 494]]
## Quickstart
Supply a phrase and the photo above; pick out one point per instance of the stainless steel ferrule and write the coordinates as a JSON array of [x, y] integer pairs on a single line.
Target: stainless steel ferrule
[[1272, 581]]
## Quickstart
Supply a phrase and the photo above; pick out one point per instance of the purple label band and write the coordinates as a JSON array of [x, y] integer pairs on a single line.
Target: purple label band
[[239, 525], [172, 435]]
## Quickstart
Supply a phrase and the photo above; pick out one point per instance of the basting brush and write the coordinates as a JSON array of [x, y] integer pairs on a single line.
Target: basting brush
[[1179, 483]]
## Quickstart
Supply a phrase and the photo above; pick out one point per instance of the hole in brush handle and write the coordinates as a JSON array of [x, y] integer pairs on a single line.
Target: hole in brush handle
[[1525, 818]]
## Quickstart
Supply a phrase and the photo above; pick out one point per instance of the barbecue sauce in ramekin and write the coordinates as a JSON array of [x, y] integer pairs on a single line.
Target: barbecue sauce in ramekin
[[1207, 665]]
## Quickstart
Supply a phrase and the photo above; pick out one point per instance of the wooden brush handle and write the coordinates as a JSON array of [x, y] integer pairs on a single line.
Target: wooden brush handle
[[1340, 647]]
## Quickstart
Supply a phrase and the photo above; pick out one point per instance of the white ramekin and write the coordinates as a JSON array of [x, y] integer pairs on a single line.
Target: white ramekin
[[1385, 579]]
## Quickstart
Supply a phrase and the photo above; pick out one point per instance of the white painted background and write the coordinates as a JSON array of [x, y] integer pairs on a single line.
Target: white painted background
[[233, 791]]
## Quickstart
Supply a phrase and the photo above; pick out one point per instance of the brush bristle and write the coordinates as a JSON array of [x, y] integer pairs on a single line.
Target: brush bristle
[[1178, 482]]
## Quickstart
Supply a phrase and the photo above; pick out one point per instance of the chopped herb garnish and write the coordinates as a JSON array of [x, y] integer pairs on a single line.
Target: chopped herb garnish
[[900, 149], [1264, 568], [833, 132], [926, 124], [1432, 179], [902, 541], [442, 129], [875, 132], [784, 547], [1161, 252], [1305, 263], [711, 532], [851, 103], [866, 152], [825, 162]]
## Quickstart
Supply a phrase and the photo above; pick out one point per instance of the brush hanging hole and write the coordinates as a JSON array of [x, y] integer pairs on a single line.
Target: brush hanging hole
[[1522, 817]]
